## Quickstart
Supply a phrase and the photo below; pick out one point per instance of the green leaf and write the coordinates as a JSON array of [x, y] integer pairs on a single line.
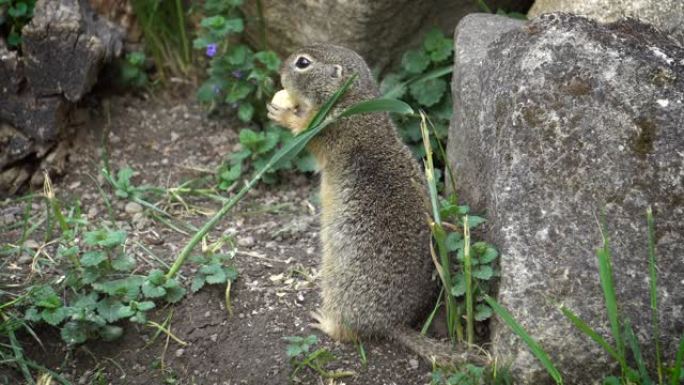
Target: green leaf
[[14, 39], [454, 241], [483, 272], [206, 93], [127, 287], [438, 46], [214, 274], [482, 312], [150, 290], [459, 287], [250, 138], [392, 86], [293, 350], [415, 61], [109, 309], [18, 10], [91, 274], [306, 163], [378, 105], [197, 283], [123, 262], [269, 59], [136, 59], [110, 332], [245, 112], [488, 255], [68, 252], [45, 297], [474, 221], [32, 314], [201, 42], [156, 277], [93, 258], [238, 55], [238, 91], [73, 333], [113, 238], [611, 380], [174, 291], [429, 92], [105, 238], [87, 301], [124, 311]]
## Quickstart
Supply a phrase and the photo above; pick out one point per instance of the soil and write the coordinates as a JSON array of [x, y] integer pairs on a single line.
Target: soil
[[276, 232]]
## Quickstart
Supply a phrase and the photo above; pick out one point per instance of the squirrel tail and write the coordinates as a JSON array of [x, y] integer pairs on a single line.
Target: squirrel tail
[[437, 352]]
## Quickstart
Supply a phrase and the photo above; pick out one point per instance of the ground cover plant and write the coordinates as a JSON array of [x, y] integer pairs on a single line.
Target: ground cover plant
[[14, 15]]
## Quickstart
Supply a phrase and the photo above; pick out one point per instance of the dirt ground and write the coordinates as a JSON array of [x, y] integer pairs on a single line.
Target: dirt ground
[[276, 227]]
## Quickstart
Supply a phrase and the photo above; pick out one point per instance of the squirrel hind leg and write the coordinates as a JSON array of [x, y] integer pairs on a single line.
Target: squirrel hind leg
[[333, 327]]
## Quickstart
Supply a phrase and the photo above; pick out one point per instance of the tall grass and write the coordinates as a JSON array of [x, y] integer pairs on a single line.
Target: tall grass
[[165, 31], [443, 264]]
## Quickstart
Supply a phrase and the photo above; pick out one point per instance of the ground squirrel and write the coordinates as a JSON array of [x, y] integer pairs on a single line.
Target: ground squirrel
[[376, 272]]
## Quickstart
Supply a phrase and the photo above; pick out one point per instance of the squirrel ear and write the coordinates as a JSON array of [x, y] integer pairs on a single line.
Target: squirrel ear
[[335, 71]]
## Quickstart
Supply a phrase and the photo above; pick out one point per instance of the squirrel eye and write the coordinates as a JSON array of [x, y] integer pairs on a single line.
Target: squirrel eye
[[302, 62]]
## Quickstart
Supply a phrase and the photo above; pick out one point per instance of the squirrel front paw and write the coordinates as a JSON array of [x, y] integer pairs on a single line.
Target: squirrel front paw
[[296, 119]]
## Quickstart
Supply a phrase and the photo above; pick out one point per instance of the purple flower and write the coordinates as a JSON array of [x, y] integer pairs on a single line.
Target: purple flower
[[211, 49], [237, 74]]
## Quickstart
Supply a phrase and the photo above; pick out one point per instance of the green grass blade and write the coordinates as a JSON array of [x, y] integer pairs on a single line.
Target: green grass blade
[[328, 105], [652, 282], [436, 73], [378, 105], [636, 351], [468, 273], [606, 278], [679, 359], [534, 346], [586, 329]]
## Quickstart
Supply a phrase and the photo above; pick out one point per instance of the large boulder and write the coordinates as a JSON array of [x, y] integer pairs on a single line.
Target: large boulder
[[667, 15], [555, 122], [379, 30]]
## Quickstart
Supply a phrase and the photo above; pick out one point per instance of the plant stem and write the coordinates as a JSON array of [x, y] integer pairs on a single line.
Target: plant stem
[[653, 290], [184, 38], [468, 272]]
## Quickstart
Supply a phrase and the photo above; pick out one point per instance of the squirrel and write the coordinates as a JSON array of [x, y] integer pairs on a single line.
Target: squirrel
[[376, 273]]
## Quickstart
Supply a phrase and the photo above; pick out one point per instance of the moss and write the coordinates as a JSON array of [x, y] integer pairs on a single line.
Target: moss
[[577, 87], [663, 77], [642, 141], [533, 115]]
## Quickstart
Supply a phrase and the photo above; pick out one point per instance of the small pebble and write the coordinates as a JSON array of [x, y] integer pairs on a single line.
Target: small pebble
[[213, 337], [246, 241], [31, 244], [413, 364], [180, 352], [133, 208]]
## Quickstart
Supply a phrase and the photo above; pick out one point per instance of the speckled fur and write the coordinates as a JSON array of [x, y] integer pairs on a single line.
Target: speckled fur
[[376, 271]]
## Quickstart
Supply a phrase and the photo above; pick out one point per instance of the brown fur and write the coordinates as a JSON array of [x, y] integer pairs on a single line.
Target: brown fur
[[376, 269]]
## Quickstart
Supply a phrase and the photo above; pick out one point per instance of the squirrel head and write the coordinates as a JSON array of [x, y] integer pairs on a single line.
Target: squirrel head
[[314, 73]]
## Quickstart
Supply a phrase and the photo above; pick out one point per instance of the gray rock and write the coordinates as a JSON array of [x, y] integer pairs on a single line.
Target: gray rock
[[379, 30], [554, 122], [667, 15]]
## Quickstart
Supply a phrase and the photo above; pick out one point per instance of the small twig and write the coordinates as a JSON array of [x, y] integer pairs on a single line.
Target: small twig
[[167, 332]]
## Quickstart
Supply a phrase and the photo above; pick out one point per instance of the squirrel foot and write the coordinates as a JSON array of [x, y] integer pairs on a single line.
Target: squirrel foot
[[333, 327]]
